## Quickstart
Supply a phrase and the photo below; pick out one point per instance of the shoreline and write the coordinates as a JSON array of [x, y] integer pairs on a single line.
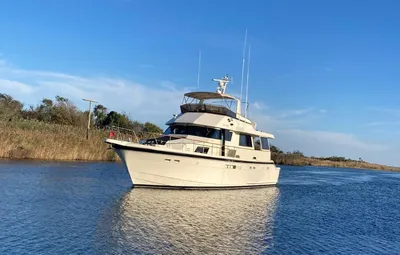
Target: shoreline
[[329, 164], [300, 160], [40, 141], [389, 169], [60, 160]]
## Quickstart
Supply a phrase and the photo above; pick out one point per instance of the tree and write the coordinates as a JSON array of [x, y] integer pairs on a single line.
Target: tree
[[298, 153], [152, 128], [137, 126], [275, 149], [9, 107], [45, 110], [29, 114], [100, 114], [64, 112], [113, 119], [61, 112], [61, 100], [47, 102]]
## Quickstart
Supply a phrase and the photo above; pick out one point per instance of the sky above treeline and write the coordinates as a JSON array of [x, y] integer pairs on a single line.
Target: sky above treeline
[[324, 75]]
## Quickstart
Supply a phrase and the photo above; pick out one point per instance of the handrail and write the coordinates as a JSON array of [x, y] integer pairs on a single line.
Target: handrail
[[128, 134]]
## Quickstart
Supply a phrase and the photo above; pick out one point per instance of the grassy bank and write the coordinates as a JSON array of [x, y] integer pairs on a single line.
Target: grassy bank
[[27, 139], [300, 160], [30, 139]]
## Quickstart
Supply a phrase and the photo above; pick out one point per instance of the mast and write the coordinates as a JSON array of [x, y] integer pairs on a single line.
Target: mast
[[247, 84], [243, 60], [198, 71]]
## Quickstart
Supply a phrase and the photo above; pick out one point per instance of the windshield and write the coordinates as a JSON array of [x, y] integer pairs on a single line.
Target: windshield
[[193, 130]]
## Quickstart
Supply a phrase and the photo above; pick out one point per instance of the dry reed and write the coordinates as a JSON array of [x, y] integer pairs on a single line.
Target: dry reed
[[29, 139], [296, 160]]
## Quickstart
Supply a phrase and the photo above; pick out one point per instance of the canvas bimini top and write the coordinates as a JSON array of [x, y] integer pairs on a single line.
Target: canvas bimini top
[[209, 95], [212, 102]]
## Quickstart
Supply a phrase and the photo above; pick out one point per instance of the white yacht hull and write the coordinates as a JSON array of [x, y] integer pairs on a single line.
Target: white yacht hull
[[159, 167]]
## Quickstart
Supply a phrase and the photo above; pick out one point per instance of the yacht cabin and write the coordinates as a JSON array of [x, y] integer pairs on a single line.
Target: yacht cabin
[[211, 123]]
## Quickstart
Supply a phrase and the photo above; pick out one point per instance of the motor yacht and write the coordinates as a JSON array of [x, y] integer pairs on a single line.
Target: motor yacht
[[209, 144]]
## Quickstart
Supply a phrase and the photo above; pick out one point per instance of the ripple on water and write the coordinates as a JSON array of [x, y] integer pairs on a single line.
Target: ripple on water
[[194, 222], [85, 208]]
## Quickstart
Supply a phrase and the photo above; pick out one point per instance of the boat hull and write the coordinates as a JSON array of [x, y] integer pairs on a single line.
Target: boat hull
[[162, 169]]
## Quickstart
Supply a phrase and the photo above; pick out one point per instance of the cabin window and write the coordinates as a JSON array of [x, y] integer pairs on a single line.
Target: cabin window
[[245, 140], [228, 135], [194, 130], [257, 143], [201, 149], [265, 143]]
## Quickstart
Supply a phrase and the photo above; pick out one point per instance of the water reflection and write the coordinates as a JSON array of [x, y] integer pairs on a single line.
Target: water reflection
[[202, 222]]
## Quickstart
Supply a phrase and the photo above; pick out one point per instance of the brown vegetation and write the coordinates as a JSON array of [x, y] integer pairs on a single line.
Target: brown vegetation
[[298, 159], [57, 131], [32, 139], [25, 139]]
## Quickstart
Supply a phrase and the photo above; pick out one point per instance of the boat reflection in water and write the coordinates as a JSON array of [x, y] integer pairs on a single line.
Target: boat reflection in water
[[155, 221]]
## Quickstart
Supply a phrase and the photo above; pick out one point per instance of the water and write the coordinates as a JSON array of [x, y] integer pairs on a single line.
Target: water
[[90, 208]]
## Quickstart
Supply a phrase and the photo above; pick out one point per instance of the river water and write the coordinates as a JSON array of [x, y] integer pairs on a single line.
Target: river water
[[90, 208]]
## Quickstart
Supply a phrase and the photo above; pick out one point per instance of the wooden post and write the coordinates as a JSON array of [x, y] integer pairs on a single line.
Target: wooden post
[[90, 111]]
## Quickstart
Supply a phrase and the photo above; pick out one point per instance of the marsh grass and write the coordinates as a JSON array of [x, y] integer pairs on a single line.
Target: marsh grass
[[30, 139], [297, 160]]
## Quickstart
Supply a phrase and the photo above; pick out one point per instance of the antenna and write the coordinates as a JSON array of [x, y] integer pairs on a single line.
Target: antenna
[[198, 71], [243, 60], [222, 84], [247, 84]]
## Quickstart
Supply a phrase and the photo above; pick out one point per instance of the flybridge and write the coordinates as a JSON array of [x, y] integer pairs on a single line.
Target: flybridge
[[213, 102]]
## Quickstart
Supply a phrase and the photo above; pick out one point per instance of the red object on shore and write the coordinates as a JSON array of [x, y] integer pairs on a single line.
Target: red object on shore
[[112, 134]]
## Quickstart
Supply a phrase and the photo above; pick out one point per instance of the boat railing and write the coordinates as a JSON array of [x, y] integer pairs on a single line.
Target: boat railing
[[130, 135], [175, 141]]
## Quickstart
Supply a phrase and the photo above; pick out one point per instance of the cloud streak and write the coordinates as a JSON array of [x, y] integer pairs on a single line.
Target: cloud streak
[[142, 102], [326, 143], [158, 102], [333, 138], [381, 123], [394, 112]]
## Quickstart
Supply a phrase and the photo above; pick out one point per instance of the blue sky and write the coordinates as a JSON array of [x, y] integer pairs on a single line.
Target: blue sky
[[324, 75]]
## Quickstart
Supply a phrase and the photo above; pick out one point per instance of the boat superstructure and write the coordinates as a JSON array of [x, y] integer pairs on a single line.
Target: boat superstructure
[[209, 144]]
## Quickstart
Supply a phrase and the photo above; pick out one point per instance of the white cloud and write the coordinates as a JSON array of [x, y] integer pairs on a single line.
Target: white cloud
[[158, 102], [374, 124], [381, 123], [333, 138], [297, 112], [393, 112], [325, 143], [296, 133], [259, 106], [7, 85], [274, 119], [143, 102]]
